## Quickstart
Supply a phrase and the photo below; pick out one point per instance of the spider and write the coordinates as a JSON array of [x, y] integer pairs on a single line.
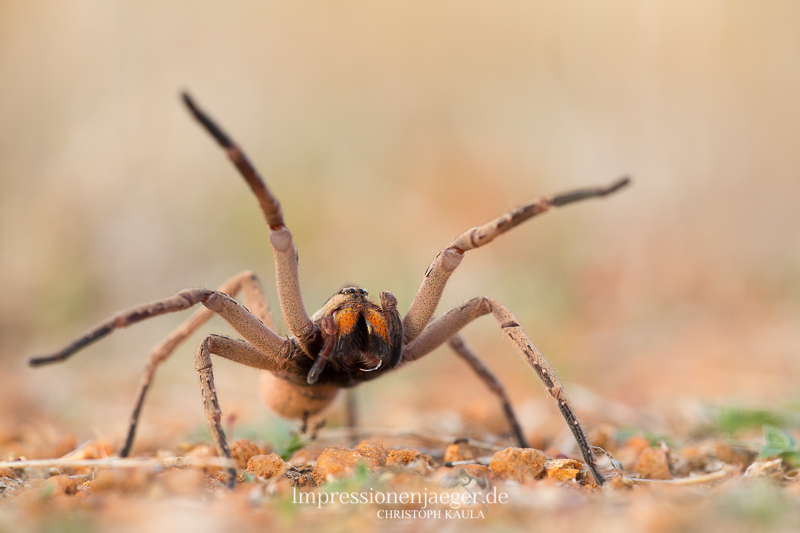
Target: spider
[[351, 339]]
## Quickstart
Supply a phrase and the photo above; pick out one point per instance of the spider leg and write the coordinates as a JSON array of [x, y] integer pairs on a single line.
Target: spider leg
[[351, 403], [234, 350], [460, 347], [286, 265], [430, 291], [443, 328], [183, 300], [254, 298], [262, 339], [242, 320]]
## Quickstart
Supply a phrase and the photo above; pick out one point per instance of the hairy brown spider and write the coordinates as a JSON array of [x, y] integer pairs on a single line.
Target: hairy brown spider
[[351, 339]]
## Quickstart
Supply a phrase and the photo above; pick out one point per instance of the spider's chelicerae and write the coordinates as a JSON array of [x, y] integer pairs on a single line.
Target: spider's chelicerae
[[351, 339]]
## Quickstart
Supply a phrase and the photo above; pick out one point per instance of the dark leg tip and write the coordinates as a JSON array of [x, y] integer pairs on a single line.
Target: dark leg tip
[[206, 121], [40, 361], [230, 482], [619, 184], [595, 192], [188, 100]]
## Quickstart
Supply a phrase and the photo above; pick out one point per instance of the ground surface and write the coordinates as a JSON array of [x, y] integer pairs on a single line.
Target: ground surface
[[671, 312], [715, 472]]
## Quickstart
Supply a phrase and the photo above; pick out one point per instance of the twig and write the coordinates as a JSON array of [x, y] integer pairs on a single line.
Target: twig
[[116, 462], [483, 461], [722, 473], [362, 432]]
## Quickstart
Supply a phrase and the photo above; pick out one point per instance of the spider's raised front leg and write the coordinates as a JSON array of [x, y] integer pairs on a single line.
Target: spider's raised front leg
[[286, 266], [445, 327], [430, 291]]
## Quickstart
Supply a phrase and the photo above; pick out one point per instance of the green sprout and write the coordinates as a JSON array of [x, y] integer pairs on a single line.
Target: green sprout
[[732, 420], [295, 442], [781, 444]]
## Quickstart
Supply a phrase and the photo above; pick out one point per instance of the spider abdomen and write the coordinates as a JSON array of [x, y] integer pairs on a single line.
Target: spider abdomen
[[292, 400]]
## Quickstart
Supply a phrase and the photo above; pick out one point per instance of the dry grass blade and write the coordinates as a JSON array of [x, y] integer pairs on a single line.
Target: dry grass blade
[[117, 462], [722, 473]]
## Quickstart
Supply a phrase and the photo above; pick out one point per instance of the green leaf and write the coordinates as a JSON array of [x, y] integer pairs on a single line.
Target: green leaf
[[791, 458], [781, 444], [776, 438], [295, 443], [732, 420]]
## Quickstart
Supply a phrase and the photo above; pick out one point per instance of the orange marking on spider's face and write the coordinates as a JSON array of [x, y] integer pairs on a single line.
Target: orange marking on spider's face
[[377, 323], [346, 320]]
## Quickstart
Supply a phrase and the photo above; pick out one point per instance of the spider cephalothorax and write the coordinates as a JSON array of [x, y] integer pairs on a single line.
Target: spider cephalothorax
[[351, 339], [359, 336]]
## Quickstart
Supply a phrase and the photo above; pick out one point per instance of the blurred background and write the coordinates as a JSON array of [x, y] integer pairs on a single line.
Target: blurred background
[[386, 129]]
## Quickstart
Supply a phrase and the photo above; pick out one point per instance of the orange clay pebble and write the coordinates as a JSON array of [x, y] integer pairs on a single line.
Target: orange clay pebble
[[518, 464], [375, 454], [411, 459], [58, 485], [653, 464], [337, 463], [242, 450], [562, 469], [458, 451], [266, 466]]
